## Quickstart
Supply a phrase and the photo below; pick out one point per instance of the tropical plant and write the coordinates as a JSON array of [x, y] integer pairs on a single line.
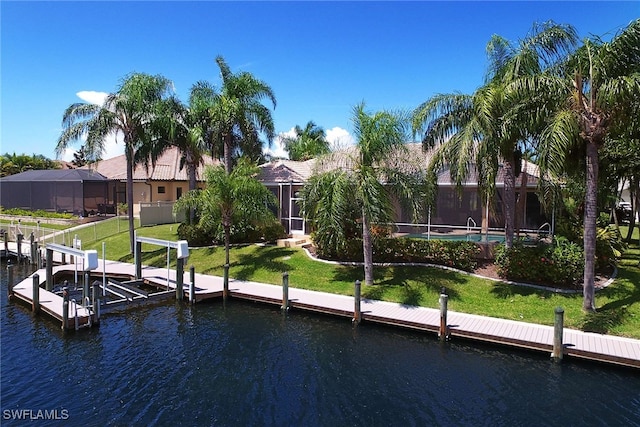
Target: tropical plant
[[490, 128], [188, 128], [237, 114], [592, 98], [11, 164], [130, 111], [229, 199], [366, 179], [307, 143]]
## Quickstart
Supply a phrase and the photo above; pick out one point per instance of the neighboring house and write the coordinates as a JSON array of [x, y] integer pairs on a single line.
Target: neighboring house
[[285, 179], [77, 191], [164, 182], [454, 208]]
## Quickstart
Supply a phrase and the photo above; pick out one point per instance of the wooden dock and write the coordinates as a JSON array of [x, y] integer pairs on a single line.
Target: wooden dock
[[577, 344]]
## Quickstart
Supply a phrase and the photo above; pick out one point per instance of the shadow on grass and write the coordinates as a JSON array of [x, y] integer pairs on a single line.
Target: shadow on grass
[[504, 290], [408, 283], [622, 295], [270, 260]]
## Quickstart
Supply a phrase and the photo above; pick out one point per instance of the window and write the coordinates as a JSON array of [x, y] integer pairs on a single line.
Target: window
[[161, 189]]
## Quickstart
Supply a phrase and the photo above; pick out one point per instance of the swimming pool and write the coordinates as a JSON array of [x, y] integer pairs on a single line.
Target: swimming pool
[[467, 237]]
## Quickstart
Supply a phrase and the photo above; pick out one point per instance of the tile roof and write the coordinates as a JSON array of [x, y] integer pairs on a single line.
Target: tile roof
[[280, 171], [413, 159], [167, 168], [60, 175]]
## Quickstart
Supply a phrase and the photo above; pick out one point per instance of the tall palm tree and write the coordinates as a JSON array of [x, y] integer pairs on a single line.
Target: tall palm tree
[[130, 111], [594, 95], [238, 112], [367, 177], [229, 197], [307, 143], [488, 129]]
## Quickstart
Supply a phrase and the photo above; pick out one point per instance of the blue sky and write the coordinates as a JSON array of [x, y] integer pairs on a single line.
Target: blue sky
[[320, 58]]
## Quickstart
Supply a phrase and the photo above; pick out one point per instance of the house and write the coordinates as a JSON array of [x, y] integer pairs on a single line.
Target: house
[[285, 179], [164, 182], [455, 208], [78, 191]]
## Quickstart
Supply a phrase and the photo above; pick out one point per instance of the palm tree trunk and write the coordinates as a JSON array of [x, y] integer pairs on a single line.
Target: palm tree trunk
[[130, 155], [590, 215], [367, 249], [192, 186], [227, 152], [509, 201], [227, 242]]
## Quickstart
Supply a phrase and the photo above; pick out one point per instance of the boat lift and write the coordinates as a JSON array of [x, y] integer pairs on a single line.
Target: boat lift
[[182, 248]]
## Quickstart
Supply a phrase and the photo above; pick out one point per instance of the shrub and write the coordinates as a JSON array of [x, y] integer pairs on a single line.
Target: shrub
[[461, 255], [194, 234], [35, 214], [560, 263]]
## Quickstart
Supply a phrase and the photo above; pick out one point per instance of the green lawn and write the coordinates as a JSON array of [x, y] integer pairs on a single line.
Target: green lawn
[[618, 312]]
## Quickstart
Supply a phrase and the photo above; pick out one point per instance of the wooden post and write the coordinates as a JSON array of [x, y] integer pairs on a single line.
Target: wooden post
[[85, 288], [20, 238], [558, 328], [225, 282], [285, 291], [138, 260], [95, 301], [65, 308], [357, 314], [6, 241], [10, 280], [32, 248], [192, 284], [179, 279], [49, 269], [35, 298], [443, 332]]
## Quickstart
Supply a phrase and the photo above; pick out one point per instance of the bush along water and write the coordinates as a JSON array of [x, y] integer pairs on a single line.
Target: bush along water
[[460, 255], [560, 263]]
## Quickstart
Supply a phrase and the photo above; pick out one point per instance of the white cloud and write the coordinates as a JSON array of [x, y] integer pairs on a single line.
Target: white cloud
[[113, 147], [92, 97], [339, 138], [277, 148]]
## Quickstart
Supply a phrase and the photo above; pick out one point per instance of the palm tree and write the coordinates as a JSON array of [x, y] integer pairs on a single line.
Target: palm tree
[[366, 178], [490, 127], [130, 111], [238, 113], [228, 198], [307, 143], [594, 95]]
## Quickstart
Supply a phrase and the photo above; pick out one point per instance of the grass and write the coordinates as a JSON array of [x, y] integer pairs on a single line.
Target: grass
[[618, 312]]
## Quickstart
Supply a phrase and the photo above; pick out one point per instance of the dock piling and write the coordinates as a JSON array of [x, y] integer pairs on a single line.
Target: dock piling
[[35, 298], [10, 280], [85, 287], [19, 243], [192, 284], [49, 269], [179, 279], [285, 291], [33, 249], [65, 308], [95, 301], [443, 332], [558, 328], [357, 314]]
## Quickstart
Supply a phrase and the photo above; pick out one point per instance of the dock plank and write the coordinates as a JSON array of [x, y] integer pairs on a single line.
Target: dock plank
[[578, 344]]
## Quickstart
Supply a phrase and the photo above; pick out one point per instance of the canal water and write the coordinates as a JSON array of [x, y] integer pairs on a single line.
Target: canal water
[[248, 365]]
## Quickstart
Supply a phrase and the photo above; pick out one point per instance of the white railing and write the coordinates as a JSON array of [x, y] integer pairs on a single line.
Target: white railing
[[469, 222]]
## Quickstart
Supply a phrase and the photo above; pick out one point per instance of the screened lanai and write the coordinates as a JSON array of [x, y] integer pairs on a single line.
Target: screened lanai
[[77, 191]]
